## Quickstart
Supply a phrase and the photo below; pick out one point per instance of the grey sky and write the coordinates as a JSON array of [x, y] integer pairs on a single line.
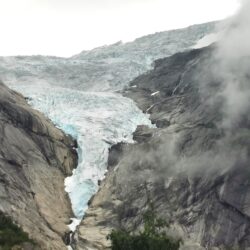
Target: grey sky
[[66, 27]]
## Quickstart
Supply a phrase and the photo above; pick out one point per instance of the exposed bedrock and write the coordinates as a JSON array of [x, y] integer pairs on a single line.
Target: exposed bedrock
[[195, 164], [35, 158]]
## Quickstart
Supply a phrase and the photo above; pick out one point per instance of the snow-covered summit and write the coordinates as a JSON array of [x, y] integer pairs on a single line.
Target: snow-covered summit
[[104, 68]]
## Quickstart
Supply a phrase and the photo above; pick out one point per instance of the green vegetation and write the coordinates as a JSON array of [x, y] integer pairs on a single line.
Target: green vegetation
[[153, 236], [11, 234]]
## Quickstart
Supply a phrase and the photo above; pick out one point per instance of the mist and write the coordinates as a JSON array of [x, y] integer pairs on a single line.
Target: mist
[[223, 80], [233, 57]]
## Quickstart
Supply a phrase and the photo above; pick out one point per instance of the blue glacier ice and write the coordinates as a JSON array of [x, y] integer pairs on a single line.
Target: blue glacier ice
[[97, 120], [77, 94]]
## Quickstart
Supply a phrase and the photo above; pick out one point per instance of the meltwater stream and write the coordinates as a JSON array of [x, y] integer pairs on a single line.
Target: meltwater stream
[[97, 120]]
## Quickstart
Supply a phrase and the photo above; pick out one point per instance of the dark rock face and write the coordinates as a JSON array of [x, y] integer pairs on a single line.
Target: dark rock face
[[115, 153], [142, 134], [35, 157], [195, 167]]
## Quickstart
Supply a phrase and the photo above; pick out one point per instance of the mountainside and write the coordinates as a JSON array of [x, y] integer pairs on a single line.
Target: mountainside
[[75, 94], [35, 157], [195, 164], [105, 68]]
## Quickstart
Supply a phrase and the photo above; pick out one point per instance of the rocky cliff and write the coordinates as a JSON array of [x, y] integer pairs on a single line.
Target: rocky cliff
[[59, 87], [195, 164], [35, 158]]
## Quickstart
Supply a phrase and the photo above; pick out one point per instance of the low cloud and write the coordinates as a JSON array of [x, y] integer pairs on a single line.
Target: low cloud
[[233, 67], [225, 85]]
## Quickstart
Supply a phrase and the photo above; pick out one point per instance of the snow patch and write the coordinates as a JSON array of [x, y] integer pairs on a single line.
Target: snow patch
[[207, 40], [155, 93]]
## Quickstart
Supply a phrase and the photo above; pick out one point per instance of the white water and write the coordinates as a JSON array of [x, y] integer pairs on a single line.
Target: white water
[[97, 120]]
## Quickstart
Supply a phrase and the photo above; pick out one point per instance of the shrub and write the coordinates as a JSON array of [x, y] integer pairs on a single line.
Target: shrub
[[11, 234], [153, 237]]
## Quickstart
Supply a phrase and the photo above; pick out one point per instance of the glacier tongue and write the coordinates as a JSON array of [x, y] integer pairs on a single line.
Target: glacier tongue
[[97, 120]]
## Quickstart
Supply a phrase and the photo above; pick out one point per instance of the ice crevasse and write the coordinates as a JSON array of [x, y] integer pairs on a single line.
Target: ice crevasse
[[97, 120]]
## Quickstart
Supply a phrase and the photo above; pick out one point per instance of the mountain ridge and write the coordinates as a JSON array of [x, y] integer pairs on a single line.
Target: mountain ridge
[[107, 68]]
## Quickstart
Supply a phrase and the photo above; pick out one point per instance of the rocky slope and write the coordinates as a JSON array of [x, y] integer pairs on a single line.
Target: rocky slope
[[60, 88], [195, 164], [35, 158]]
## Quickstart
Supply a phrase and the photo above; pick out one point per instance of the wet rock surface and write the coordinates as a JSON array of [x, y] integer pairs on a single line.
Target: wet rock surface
[[195, 169], [35, 158]]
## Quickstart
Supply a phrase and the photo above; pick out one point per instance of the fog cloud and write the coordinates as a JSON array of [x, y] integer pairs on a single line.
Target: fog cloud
[[233, 57], [224, 80]]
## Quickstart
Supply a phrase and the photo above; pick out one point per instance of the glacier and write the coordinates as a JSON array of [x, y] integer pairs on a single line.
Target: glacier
[[97, 120], [81, 96], [107, 68]]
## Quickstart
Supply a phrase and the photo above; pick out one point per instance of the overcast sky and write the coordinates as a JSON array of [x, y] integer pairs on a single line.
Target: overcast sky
[[66, 27]]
